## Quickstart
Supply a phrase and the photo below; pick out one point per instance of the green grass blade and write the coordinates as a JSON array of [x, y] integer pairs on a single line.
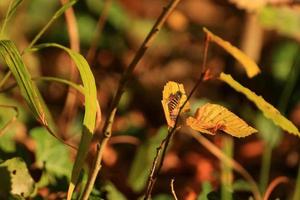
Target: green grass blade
[[29, 91], [226, 170], [268, 110], [11, 10], [56, 15], [90, 93]]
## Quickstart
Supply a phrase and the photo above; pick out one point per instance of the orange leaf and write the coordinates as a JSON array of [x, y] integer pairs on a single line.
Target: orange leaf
[[212, 117]]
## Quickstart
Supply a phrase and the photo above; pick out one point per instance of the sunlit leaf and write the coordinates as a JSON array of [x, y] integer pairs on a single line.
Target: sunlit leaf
[[173, 98], [250, 66], [12, 57], [15, 179], [268, 110], [90, 93], [212, 117]]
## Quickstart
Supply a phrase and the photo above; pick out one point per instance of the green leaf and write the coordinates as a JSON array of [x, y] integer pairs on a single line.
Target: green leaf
[[268, 110], [206, 188], [163, 197], [11, 10], [29, 91], [90, 93], [47, 151], [270, 133], [241, 185], [113, 192], [283, 59], [15, 179], [143, 159], [283, 19]]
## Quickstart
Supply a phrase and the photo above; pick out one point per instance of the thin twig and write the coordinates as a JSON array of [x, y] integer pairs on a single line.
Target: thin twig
[[229, 161], [172, 189], [99, 28], [273, 184], [70, 108], [107, 129], [154, 172]]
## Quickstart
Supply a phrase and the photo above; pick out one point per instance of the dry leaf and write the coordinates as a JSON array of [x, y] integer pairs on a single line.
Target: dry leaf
[[173, 98], [212, 117], [249, 65]]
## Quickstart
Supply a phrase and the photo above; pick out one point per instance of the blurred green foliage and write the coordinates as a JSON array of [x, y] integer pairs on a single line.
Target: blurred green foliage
[[51, 155], [143, 159], [15, 179]]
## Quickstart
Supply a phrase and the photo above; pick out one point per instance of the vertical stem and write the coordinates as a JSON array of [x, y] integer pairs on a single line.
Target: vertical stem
[[296, 195], [265, 169], [107, 132], [70, 108], [226, 170], [282, 105], [221, 156], [5, 78], [100, 25], [156, 166]]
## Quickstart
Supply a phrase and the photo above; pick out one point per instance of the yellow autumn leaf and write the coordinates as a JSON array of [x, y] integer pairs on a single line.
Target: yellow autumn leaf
[[250, 66], [173, 98], [268, 110], [210, 118]]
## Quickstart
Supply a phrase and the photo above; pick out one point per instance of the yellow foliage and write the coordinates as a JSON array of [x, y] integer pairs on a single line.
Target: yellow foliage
[[210, 118], [268, 110], [250, 66]]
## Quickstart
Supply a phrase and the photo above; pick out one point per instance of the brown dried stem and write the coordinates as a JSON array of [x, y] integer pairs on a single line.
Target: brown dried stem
[[70, 103], [172, 189], [156, 165], [107, 129], [273, 184], [100, 25]]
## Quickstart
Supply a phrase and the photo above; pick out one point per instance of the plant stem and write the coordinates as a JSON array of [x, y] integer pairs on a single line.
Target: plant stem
[[273, 184], [100, 25], [56, 15], [70, 107], [265, 169], [226, 170], [5, 78], [107, 129], [229, 161], [296, 195], [156, 166], [282, 106], [173, 190]]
